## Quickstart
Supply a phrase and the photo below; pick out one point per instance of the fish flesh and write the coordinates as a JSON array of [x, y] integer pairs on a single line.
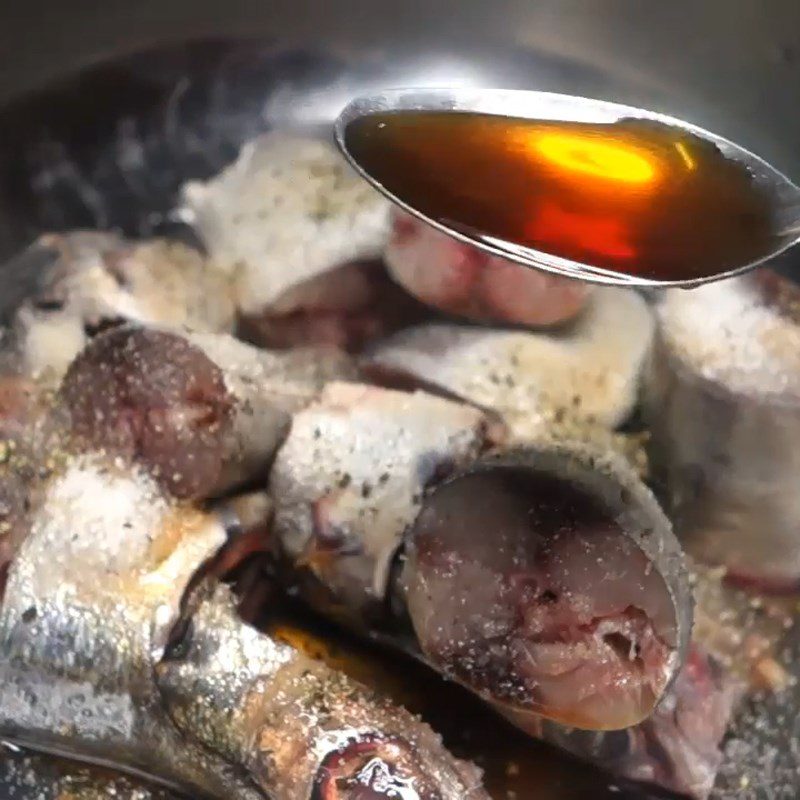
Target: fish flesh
[[204, 412], [459, 279], [722, 402], [721, 704], [301, 236], [96, 280], [113, 652], [587, 373], [575, 607]]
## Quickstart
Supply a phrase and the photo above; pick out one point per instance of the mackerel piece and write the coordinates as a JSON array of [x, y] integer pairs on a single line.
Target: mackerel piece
[[546, 579], [536, 381], [723, 406], [350, 478], [301, 236], [111, 655], [89, 603], [202, 412]]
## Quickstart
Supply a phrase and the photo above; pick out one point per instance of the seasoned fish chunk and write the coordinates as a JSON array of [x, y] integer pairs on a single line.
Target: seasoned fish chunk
[[113, 648], [459, 279], [589, 371], [302, 236], [546, 580], [722, 401], [204, 412], [351, 475]]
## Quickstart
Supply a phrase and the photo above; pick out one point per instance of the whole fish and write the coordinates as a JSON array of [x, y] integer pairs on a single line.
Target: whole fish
[[113, 650], [722, 402], [546, 579]]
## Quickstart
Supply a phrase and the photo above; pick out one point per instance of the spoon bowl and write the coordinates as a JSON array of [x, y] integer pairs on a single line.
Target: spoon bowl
[[589, 189]]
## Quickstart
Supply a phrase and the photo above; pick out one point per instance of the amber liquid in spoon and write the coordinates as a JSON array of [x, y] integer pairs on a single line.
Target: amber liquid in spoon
[[635, 196]]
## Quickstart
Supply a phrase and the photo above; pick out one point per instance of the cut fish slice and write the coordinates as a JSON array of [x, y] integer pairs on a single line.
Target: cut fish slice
[[723, 406], [302, 236], [547, 580], [589, 371], [459, 279]]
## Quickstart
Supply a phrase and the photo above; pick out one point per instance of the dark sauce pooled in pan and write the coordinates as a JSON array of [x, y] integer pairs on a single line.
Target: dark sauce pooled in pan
[[635, 196]]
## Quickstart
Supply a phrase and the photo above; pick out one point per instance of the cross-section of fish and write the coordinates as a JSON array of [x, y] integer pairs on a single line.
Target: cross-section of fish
[[547, 579], [202, 412], [459, 279]]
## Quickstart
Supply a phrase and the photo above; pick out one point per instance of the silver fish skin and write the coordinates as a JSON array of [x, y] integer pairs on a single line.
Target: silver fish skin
[[26, 776], [89, 603], [722, 401], [91, 666], [588, 371], [350, 477], [295, 724]]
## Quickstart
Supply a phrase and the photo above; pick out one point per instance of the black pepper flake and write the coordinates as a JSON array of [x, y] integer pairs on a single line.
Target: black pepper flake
[[30, 614], [345, 480], [384, 478], [317, 433], [366, 489]]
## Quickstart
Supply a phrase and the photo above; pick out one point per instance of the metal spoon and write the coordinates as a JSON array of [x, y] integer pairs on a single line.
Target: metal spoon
[[781, 196]]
